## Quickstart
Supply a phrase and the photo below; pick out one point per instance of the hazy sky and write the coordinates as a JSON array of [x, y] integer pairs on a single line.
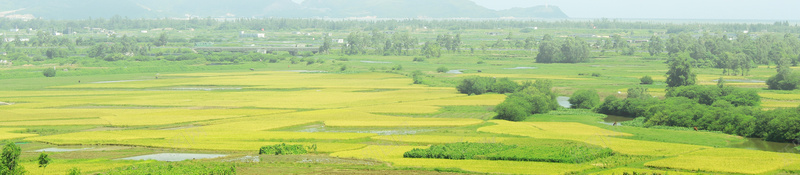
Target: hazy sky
[[669, 9]]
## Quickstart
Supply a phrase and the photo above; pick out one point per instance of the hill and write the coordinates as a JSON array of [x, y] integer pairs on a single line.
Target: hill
[[59, 9]]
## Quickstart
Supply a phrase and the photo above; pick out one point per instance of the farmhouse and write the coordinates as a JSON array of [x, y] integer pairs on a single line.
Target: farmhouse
[[251, 35]]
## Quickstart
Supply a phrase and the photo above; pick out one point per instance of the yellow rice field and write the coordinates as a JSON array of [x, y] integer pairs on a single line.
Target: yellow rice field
[[728, 160], [240, 112]]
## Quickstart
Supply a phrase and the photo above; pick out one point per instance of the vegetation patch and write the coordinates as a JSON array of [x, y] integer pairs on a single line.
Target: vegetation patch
[[537, 150], [284, 149]]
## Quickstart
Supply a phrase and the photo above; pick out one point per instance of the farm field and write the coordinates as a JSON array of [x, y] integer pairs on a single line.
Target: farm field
[[352, 116], [360, 113]]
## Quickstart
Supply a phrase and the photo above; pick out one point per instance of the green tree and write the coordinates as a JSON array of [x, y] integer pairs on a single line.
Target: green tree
[[475, 85], [785, 79], [162, 40], [548, 50], [326, 45], [504, 85], [44, 160], [655, 46], [512, 109], [585, 99], [10, 160], [680, 71], [638, 93], [431, 50], [49, 72], [619, 43]]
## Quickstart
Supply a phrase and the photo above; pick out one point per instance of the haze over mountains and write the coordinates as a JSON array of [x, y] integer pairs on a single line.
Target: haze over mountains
[[82, 9]]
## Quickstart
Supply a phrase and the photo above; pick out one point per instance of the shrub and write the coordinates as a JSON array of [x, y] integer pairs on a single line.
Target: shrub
[[504, 85], [534, 98], [585, 99], [417, 76], [646, 80], [74, 171], [419, 59], [397, 67], [512, 109], [708, 95], [786, 81], [442, 69], [283, 149], [596, 74], [475, 85], [48, 72]]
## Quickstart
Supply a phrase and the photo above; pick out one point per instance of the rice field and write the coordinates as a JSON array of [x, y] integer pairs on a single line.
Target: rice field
[[238, 112], [725, 160]]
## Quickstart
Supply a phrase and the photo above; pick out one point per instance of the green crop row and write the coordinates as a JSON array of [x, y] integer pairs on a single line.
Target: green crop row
[[535, 150]]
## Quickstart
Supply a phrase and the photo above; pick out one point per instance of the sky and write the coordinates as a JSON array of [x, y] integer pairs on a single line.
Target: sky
[[662, 9]]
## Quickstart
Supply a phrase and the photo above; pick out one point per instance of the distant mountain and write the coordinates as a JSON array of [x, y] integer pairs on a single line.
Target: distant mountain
[[82, 9]]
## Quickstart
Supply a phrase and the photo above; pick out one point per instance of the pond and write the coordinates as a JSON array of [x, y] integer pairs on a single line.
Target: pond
[[174, 157], [564, 101], [759, 144], [611, 119], [455, 72]]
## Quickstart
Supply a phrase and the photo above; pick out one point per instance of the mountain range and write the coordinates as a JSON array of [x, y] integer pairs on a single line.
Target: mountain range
[[83, 9]]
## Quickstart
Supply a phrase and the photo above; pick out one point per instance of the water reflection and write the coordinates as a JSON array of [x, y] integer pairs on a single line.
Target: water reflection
[[564, 101], [759, 144], [611, 119]]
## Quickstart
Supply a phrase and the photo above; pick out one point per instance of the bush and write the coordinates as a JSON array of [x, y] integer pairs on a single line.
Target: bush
[[585, 99], [784, 81], [419, 59], [283, 149], [504, 85], [397, 67], [442, 69], [534, 98], [596, 74], [646, 80], [475, 85], [512, 109], [708, 95], [48, 72], [74, 171], [417, 76]]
